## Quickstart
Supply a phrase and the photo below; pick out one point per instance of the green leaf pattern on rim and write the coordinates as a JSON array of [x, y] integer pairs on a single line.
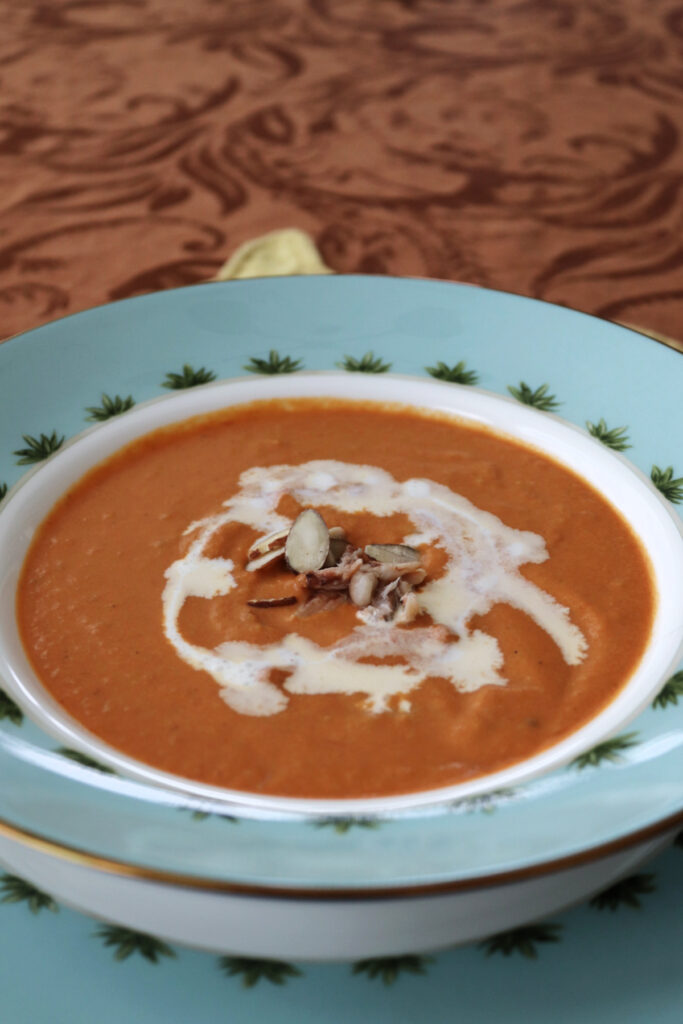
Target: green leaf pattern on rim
[[664, 481], [126, 942], [522, 940], [343, 825], [539, 398], [485, 803], [388, 968], [609, 750], [85, 760], [188, 378], [625, 892], [457, 374], [18, 890], [369, 363], [203, 815], [109, 407], [670, 692], [616, 438], [9, 710], [274, 363], [38, 448], [252, 970]]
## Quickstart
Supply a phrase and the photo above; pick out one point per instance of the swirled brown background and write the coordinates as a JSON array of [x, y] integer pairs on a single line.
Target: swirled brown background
[[530, 146]]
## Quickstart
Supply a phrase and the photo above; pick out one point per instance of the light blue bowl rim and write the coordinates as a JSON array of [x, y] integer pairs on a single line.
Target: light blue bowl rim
[[598, 370]]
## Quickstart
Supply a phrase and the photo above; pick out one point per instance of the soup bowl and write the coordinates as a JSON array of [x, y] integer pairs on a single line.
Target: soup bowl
[[324, 927], [627, 490], [266, 876]]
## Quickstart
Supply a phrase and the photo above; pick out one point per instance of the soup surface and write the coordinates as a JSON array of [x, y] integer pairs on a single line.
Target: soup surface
[[530, 608]]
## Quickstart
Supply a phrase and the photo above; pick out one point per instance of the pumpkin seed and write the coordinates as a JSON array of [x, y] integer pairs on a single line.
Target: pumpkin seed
[[270, 556], [271, 542], [394, 553], [338, 546], [308, 542], [362, 587]]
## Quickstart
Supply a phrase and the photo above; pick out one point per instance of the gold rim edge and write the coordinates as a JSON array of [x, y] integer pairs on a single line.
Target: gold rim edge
[[99, 863]]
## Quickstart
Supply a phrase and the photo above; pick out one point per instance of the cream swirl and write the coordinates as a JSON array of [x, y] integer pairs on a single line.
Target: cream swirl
[[483, 557]]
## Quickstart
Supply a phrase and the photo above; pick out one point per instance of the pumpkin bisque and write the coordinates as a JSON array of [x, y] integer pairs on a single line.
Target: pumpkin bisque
[[329, 599]]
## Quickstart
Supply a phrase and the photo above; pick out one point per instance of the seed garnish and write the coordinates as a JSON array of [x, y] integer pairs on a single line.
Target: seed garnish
[[380, 577], [338, 546], [395, 553], [272, 542], [308, 542], [270, 556], [362, 586]]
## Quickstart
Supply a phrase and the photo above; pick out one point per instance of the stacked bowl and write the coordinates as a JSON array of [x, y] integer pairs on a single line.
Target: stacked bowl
[[346, 877]]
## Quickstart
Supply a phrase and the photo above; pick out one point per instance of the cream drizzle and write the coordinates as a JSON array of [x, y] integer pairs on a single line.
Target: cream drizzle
[[483, 559]]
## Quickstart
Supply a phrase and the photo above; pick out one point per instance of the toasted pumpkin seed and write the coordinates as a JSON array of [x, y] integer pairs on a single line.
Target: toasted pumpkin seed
[[395, 553], [270, 556], [308, 542], [361, 588], [271, 542], [338, 546]]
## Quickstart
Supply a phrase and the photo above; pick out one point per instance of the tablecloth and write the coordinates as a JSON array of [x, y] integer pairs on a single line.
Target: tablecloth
[[527, 145]]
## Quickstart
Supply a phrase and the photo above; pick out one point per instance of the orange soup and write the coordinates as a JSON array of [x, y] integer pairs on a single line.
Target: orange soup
[[452, 603]]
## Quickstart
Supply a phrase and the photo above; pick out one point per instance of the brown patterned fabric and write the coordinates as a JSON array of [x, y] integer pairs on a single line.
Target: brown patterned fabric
[[529, 146]]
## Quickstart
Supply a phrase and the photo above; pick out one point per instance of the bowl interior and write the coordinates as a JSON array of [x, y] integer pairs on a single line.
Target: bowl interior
[[623, 486]]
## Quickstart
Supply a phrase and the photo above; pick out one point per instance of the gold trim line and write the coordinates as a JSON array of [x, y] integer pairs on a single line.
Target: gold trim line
[[97, 862]]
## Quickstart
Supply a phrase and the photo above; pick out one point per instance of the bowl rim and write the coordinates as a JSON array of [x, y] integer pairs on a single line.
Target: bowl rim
[[546, 432], [368, 893], [597, 366]]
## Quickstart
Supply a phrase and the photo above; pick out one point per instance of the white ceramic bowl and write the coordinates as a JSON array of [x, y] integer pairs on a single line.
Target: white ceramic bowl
[[302, 927], [628, 490]]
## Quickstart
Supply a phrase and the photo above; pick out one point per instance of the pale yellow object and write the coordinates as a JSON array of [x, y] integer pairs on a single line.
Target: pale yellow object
[[277, 254]]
